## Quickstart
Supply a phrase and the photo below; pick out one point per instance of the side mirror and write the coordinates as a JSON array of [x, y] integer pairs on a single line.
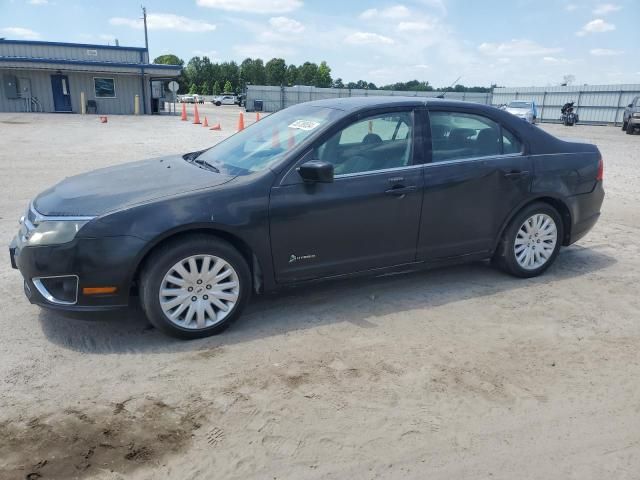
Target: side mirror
[[316, 171]]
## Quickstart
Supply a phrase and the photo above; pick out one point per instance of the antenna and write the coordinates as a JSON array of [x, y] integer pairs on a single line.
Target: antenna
[[452, 84], [146, 36]]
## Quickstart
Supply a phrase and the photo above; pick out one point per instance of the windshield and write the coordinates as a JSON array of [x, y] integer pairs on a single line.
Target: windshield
[[519, 105], [267, 141]]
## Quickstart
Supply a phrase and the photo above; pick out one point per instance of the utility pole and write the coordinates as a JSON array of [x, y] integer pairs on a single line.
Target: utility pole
[[146, 36]]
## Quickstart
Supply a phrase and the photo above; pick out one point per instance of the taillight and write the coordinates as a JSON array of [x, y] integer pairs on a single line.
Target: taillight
[[600, 174]]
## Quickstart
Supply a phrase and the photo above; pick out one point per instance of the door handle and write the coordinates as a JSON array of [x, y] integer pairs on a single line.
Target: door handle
[[516, 174], [401, 190]]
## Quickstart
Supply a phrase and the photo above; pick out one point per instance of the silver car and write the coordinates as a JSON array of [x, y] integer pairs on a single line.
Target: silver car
[[523, 109]]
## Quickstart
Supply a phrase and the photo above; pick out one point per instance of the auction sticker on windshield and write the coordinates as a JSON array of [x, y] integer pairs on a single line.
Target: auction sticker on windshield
[[304, 125]]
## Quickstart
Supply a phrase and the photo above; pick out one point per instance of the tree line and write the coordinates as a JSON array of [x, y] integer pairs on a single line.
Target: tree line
[[204, 77]]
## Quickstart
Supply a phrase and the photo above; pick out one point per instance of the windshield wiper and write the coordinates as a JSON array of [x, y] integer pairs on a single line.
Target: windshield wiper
[[204, 163]]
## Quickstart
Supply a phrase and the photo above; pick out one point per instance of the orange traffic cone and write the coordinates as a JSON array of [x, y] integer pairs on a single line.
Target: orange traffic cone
[[257, 116], [206, 123], [216, 127], [103, 119], [183, 117], [196, 115], [241, 122]]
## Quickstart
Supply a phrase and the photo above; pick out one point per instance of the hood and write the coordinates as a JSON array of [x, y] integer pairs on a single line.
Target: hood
[[114, 188], [518, 111]]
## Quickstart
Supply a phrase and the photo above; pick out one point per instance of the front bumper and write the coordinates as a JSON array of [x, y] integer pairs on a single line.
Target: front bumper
[[96, 262]]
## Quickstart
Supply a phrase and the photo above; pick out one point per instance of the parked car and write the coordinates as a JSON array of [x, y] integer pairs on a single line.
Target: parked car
[[227, 99], [186, 99], [321, 190], [526, 110], [631, 116]]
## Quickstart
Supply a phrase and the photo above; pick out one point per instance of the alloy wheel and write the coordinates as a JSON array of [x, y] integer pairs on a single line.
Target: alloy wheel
[[199, 291], [535, 241]]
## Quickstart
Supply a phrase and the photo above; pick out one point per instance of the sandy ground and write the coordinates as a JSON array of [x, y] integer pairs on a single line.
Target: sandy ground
[[460, 373]]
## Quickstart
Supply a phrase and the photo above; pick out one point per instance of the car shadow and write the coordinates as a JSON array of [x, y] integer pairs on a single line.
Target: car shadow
[[310, 306]]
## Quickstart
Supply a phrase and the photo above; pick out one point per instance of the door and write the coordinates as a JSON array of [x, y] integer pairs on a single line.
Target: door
[[61, 93], [477, 174], [367, 218]]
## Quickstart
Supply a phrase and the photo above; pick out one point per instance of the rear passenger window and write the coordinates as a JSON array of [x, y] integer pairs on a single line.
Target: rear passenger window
[[510, 144], [457, 135]]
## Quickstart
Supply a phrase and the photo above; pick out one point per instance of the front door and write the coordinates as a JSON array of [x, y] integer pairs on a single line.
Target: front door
[[477, 175], [367, 218], [61, 93]]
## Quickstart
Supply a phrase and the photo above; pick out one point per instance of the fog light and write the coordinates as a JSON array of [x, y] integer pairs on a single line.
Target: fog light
[[62, 290]]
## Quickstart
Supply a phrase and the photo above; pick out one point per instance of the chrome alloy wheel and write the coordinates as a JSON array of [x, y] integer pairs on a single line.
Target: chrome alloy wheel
[[199, 291], [535, 241]]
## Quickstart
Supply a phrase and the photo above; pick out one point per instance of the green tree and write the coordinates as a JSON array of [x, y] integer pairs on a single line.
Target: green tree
[[216, 88], [205, 88], [193, 89], [337, 83], [228, 87], [307, 73], [276, 71], [322, 77], [292, 75], [168, 59]]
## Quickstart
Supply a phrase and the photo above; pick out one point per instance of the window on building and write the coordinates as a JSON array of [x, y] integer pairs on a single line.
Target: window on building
[[105, 87]]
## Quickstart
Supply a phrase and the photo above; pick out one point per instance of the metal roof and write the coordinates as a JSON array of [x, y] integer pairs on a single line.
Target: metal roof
[[66, 44]]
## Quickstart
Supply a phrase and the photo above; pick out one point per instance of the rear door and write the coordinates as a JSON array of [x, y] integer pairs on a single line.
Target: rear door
[[367, 218], [477, 172]]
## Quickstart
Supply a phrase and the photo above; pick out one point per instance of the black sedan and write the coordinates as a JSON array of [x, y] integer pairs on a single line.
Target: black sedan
[[320, 190]]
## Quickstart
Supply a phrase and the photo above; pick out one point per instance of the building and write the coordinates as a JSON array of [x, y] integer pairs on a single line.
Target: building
[[55, 77]]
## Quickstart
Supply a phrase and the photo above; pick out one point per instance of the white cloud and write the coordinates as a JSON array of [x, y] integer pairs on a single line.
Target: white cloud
[[516, 48], [19, 32], [263, 51], [414, 26], [286, 25], [211, 54], [422, 66], [252, 6], [596, 26], [165, 21], [38, 2], [606, 8], [368, 38], [436, 5], [571, 7], [393, 12], [605, 52]]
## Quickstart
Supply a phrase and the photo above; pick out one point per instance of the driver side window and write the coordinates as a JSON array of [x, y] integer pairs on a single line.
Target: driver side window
[[373, 143]]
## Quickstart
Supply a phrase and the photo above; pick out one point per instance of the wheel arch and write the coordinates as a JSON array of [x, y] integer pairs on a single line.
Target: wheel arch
[[555, 202], [253, 262]]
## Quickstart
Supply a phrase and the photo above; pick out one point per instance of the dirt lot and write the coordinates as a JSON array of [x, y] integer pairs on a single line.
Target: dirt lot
[[462, 373]]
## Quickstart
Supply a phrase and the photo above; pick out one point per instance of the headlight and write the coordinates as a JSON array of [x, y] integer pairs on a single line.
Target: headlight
[[37, 229], [53, 232]]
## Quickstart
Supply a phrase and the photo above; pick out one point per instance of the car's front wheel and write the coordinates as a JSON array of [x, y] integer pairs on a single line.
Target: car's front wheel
[[195, 287], [531, 242]]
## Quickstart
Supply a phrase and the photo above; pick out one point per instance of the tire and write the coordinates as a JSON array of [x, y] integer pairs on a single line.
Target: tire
[[630, 128], [218, 104], [198, 311], [624, 125], [506, 256]]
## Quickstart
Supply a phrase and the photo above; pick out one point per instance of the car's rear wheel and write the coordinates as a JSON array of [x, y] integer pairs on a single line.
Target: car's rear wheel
[[624, 125], [218, 104], [531, 242], [630, 128], [195, 287]]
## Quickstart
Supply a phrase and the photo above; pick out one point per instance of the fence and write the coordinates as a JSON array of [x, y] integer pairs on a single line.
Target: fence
[[277, 98], [596, 104]]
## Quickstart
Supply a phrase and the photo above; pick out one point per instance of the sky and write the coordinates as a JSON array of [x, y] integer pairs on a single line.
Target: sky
[[509, 43]]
